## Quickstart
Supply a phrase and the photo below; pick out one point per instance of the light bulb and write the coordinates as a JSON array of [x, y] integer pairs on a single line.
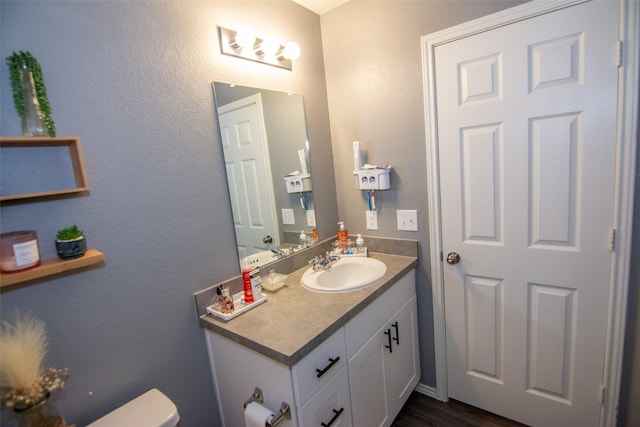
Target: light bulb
[[243, 38], [270, 46], [291, 50]]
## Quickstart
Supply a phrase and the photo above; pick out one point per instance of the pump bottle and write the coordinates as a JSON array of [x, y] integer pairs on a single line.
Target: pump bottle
[[360, 249], [246, 281], [343, 237]]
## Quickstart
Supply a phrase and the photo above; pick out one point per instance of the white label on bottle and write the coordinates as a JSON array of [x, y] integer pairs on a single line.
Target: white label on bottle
[[26, 252], [256, 284]]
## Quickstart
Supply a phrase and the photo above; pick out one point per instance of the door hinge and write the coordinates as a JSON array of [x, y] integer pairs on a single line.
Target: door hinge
[[612, 240], [619, 53], [603, 394], [441, 257]]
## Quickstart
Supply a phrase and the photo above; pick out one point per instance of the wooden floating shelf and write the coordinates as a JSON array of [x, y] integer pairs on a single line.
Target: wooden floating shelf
[[51, 266], [75, 153]]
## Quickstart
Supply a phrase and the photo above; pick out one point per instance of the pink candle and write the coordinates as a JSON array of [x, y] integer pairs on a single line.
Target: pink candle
[[18, 251]]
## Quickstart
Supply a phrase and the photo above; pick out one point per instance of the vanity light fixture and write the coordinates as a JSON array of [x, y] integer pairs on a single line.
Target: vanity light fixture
[[243, 44]]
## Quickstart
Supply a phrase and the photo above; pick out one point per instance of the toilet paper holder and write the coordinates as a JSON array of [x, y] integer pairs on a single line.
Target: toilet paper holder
[[283, 414]]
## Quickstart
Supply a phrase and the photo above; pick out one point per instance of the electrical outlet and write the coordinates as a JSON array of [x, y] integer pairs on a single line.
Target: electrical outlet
[[407, 220], [311, 218], [372, 220], [288, 217]]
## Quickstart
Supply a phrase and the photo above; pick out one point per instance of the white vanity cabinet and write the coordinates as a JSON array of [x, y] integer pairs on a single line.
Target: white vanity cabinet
[[386, 368], [331, 406], [312, 387], [237, 371], [351, 378]]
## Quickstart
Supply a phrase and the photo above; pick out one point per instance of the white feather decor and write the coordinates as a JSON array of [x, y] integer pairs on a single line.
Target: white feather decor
[[23, 351]]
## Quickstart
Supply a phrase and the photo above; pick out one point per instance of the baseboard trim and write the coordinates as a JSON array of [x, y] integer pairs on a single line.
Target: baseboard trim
[[427, 390]]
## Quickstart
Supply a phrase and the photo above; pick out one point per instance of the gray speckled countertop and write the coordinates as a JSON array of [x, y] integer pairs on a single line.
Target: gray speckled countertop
[[294, 320]]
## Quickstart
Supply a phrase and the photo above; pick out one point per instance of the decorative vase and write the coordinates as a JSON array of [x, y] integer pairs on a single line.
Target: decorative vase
[[70, 249], [41, 414], [32, 119]]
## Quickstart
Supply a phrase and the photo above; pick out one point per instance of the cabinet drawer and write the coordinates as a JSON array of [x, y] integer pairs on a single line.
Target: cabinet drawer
[[319, 366], [368, 321], [330, 406]]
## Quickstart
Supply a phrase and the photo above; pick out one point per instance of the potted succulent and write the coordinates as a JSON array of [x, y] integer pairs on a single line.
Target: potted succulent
[[70, 242]]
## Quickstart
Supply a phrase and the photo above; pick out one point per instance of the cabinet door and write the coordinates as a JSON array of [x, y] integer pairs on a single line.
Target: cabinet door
[[403, 366], [330, 406], [369, 402]]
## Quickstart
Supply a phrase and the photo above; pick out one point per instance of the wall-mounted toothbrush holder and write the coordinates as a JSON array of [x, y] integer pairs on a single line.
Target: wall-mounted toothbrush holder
[[298, 183], [373, 179]]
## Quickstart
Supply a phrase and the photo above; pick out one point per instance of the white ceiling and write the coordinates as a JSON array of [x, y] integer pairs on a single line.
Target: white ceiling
[[320, 6]]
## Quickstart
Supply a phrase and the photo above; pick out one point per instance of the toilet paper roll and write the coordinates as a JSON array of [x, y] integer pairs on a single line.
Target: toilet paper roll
[[256, 415]]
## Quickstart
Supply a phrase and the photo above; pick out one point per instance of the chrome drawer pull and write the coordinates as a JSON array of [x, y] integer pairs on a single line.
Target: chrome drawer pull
[[332, 362]]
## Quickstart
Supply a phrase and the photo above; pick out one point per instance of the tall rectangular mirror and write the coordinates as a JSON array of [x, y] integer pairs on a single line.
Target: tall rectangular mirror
[[264, 139]]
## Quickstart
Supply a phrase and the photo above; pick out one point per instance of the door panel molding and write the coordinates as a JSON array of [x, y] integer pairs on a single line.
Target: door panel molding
[[627, 129]]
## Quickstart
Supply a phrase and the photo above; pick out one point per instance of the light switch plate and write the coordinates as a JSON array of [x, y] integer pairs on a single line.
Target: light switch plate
[[407, 220], [372, 220], [311, 218], [288, 217]]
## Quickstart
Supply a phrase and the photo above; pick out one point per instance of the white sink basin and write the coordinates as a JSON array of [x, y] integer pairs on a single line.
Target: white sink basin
[[346, 274], [262, 258]]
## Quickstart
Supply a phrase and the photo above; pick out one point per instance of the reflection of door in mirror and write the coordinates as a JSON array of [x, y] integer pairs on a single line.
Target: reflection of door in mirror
[[246, 154], [284, 127]]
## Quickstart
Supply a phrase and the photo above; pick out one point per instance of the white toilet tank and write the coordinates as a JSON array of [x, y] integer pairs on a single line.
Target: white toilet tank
[[151, 409]]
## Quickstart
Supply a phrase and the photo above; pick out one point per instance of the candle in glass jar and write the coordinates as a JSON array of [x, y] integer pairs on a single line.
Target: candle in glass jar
[[19, 251]]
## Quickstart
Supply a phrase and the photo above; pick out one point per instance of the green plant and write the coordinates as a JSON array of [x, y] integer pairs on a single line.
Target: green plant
[[69, 233], [18, 62]]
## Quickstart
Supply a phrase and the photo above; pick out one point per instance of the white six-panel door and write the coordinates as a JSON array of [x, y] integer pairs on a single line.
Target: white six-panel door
[[526, 143]]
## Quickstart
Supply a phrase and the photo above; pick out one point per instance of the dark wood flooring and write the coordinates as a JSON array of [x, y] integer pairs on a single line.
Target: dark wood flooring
[[421, 410]]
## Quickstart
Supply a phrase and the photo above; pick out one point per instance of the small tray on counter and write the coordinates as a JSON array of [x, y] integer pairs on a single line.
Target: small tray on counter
[[239, 307], [364, 253]]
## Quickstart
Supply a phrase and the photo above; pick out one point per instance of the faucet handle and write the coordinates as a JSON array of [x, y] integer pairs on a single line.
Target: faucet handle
[[315, 260], [331, 257]]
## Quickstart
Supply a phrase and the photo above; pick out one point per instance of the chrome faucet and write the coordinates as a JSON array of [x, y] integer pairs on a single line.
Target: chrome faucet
[[323, 262], [281, 253]]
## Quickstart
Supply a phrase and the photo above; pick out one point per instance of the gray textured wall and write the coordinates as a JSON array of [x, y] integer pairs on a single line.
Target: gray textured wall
[[374, 82], [133, 81]]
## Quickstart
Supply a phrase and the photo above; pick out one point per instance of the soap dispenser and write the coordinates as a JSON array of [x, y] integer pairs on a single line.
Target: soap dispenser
[[360, 244], [303, 239]]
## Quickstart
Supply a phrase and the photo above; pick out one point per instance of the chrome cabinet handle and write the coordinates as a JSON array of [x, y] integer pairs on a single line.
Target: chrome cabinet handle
[[453, 258]]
